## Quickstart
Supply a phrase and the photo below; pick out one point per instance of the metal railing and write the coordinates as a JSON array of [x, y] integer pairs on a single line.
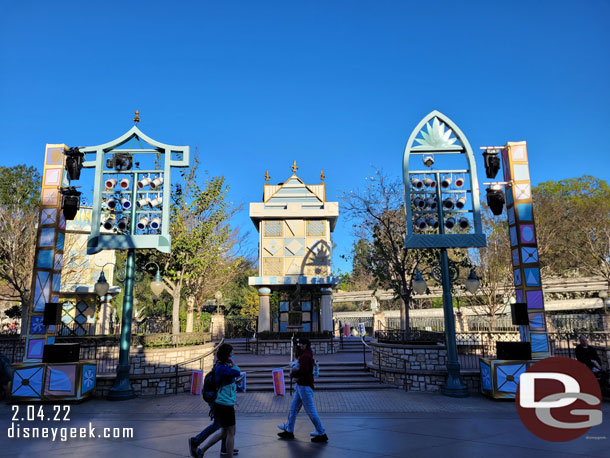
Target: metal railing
[[198, 358], [403, 337]]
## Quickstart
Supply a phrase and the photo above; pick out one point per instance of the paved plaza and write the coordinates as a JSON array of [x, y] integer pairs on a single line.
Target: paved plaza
[[384, 423]]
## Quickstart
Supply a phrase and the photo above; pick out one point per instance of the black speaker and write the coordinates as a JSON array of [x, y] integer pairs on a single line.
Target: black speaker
[[518, 312], [514, 350], [52, 314], [61, 353]]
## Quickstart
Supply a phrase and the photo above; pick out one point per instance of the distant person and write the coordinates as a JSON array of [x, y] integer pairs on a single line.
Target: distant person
[[303, 395], [589, 357], [226, 374]]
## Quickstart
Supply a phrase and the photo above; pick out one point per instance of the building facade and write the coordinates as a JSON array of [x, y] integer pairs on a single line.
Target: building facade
[[295, 222]]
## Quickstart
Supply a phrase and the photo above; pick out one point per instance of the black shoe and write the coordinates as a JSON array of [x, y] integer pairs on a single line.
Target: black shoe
[[235, 452], [193, 447], [286, 435], [320, 438]]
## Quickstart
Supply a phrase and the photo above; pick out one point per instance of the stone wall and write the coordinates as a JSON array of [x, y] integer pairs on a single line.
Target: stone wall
[[282, 347], [419, 367], [153, 371]]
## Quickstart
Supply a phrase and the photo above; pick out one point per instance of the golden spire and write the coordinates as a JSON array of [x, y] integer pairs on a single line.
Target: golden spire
[[294, 167], [136, 118], [267, 177], [322, 175]]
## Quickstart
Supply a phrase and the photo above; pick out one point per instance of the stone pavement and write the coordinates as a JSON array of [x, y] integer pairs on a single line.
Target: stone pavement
[[384, 423]]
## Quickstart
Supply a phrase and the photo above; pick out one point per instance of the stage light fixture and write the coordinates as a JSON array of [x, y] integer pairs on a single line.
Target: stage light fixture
[[449, 203], [109, 223], [120, 162], [156, 202], [417, 183], [144, 182], [495, 199], [155, 223], [450, 223], [463, 223], [460, 203], [125, 203], [432, 222], [421, 224], [111, 203], [74, 163], [156, 183], [70, 202], [492, 163], [124, 183], [431, 203], [142, 223], [143, 202], [419, 202], [110, 183], [123, 224], [446, 182], [459, 182], [428, 160]]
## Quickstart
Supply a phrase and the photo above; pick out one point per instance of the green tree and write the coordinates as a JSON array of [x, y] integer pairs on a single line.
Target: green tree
[[201, 261], [19, 199], [573, 226]]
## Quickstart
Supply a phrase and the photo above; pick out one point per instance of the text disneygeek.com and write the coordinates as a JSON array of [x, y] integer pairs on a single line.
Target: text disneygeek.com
[[63, 433]]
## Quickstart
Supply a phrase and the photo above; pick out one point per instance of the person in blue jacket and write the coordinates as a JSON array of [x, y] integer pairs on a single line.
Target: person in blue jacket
[[226, 374]]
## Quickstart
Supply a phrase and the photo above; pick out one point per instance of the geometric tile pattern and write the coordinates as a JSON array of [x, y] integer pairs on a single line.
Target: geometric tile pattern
[[522, 233], [46, 278], [315, 227], [273, 228]]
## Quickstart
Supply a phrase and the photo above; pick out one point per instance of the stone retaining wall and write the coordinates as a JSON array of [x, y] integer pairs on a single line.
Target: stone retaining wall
[[282, 347], [420, 367]]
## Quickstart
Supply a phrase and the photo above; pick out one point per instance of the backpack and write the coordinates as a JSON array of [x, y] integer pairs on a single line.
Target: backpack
[[209, 390]]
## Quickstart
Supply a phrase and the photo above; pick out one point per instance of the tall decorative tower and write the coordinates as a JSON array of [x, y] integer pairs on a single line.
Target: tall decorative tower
[[294, 222]]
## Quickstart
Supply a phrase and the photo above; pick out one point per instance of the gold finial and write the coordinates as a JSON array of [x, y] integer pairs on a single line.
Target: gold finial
[[294, 167], [136, 118], [267, 177], [322, 175]]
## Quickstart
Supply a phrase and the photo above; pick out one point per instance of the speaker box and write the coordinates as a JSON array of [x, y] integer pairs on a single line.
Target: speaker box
[[52, 314], [514, 350], [61, 353], [518, 312]]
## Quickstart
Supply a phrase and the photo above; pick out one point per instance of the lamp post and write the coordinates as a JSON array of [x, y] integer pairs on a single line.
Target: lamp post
[[122, 390], [442, 211], [218, 297]]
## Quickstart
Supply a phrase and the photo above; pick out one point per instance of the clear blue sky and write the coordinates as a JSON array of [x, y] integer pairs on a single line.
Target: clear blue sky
[[339, 85]]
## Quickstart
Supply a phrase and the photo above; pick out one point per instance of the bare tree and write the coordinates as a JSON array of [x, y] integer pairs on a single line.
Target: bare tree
[[379, 221]]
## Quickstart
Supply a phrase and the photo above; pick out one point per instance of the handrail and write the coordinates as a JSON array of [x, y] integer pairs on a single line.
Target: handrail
[[379, 322], [200, 358], [364, 345]]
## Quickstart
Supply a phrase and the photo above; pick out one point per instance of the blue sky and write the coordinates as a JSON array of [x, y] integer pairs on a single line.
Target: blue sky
[[338, 85]]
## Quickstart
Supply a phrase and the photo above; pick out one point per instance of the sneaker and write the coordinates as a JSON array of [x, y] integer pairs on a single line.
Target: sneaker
[[235, 452], [193, 447], [320, 438], [286, 435]]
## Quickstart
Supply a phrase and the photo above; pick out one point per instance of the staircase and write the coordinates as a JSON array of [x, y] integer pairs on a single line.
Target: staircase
[[239, 346], [351, 345], [333, 376]]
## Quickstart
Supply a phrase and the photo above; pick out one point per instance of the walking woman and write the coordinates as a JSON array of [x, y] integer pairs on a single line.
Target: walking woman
[[224, 406], [303, 396]]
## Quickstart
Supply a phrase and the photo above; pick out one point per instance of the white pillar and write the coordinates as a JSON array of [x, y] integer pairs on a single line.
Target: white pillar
[[104, 316], [326, 318], [264, 310]]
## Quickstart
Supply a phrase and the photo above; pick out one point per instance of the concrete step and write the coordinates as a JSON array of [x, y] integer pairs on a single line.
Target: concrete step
[[326, 387]]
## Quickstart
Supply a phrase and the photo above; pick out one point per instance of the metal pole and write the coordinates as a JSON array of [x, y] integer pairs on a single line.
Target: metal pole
[[454, 386], [122, 387]]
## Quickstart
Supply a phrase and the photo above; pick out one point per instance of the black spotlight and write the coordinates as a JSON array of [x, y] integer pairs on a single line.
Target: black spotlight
[[120, 162], [70, 202], [492, 163], [74, 163], [495, 199]]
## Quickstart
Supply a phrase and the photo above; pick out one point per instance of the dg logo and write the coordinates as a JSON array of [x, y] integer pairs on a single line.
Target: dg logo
[[559, 399]]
